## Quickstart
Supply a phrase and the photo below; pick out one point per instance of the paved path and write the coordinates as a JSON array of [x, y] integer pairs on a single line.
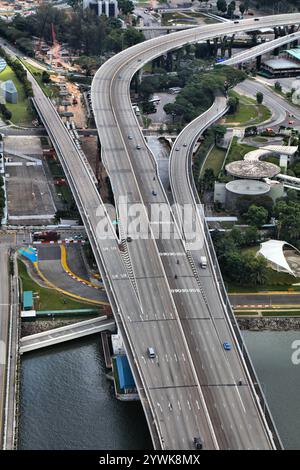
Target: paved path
[[50, 266]]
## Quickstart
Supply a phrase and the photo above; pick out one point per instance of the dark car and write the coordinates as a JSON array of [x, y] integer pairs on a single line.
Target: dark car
[[198, 443]]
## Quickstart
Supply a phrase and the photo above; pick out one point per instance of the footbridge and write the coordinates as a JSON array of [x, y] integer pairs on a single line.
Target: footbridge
[[66, 333]]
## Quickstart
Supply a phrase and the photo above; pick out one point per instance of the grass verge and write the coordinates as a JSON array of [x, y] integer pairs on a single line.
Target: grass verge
[[48, 298], [22, 113], [214, 161]]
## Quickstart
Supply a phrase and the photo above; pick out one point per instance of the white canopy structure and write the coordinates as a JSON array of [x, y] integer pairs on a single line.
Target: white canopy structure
[[272, 250]]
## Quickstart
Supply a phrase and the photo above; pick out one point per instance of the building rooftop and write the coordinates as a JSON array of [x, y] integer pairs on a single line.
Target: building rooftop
[[27, 299], [248, 187], [295, 53], [126, 379], [9, 86], [281, 64], [252, 169], [288, 150]]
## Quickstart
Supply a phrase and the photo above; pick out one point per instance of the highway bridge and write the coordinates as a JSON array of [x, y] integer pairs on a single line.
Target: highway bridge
[[166, 277], [261, 49], [153, 284]]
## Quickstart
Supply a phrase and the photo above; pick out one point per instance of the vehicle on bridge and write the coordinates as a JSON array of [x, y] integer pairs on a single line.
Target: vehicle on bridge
[[227, 346]]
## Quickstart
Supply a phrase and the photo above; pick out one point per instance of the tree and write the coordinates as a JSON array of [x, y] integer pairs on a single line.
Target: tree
[[259, 97], [222, 5], [45, 77], [256, 215], [251, 236], [126, 6], [278, 86], [242, 8], [233, 104], [231, 9], [208, 179], [132, 37], [75, 4], [219, 132]]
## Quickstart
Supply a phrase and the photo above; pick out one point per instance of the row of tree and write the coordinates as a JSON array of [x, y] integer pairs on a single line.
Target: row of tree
[[200, 90], [81, 30], [239, 267], [229, 8], [20, 72]]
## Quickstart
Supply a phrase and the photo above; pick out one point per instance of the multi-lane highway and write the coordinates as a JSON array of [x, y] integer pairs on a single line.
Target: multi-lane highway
[[170, 381], [165, 275], [190, 389]]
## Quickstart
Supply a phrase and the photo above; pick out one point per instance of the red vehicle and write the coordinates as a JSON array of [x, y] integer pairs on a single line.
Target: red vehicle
[[60, 182]]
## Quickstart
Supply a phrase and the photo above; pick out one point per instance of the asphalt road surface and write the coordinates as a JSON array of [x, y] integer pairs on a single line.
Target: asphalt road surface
[[233, 420]]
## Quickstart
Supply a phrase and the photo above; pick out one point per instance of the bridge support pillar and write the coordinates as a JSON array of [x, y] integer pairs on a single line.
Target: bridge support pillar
[[230, 44], [258, 62]]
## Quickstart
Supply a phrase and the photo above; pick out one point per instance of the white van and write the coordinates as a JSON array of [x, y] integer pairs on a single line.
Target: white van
[[151, 353]]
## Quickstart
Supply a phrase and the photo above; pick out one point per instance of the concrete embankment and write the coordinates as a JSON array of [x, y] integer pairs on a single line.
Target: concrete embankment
[[31, 328], [272, 324]]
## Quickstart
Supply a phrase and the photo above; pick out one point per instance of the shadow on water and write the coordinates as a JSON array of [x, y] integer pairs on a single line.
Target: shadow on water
[[68, 403]]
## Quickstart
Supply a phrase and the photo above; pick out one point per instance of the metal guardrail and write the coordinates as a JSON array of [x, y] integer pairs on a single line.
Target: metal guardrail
[[226, 301]]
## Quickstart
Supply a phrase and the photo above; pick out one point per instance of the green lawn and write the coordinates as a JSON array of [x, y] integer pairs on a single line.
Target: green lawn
[[280, 313], [248, 113], [237, 151], [49, 298], [48, 88], [21, 111], [273, 313], [260, 139], [214, 160], [66, 194], [56, 169]]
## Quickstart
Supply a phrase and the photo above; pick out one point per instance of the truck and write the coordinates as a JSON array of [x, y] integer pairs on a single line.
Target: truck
[[46, 236], [203, 262]]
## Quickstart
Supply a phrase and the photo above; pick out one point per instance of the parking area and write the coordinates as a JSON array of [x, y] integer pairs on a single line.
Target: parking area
[[29, 198]]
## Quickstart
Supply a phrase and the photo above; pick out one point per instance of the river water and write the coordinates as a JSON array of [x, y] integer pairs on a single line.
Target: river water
[[68, 403]]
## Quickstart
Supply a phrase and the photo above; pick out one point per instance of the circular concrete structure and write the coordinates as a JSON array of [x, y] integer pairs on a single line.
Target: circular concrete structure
[[238, 188], [254, 170]]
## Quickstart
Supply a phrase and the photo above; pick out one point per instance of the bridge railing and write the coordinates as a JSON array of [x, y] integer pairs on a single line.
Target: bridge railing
[[234, 323]]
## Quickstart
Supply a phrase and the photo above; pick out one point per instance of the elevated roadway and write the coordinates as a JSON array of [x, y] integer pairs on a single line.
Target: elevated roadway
[[261, 49], [164, 273], [172, 381], [65, 333]]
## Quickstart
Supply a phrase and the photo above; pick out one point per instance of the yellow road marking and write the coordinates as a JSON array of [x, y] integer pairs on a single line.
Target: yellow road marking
[[69, 294], [66, 268]]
